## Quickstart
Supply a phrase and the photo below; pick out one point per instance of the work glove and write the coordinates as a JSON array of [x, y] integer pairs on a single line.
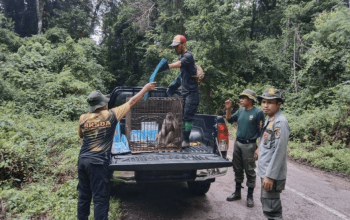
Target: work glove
[[164, 67], [169, 91], [174, 86]]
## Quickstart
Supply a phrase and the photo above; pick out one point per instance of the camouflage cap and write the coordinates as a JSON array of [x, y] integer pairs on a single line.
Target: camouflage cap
[[249, 93], [271, 93], [97, 100]]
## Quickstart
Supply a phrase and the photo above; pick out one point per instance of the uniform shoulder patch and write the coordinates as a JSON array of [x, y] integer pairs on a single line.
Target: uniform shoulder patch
[[277, 132]]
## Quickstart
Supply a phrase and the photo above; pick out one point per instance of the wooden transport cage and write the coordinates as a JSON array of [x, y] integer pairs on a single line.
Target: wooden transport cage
[[155, 125]]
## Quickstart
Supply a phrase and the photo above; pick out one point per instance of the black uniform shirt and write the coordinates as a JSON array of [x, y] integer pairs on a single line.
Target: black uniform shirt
[[98, 132], [188, 69]]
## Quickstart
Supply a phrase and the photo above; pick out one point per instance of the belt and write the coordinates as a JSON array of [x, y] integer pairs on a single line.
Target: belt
[[245, 141]]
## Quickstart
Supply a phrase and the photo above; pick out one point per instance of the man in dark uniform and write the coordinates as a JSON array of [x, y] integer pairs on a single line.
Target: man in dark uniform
[[96, 128], [189, 87], [250, 121], [272, 168]]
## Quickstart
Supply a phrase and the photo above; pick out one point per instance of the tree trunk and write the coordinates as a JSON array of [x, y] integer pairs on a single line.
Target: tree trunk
[[252, 27], [181, 19], [274, 3], [286, 40], [95, 17], [265, 4], [295, 77], [39, 12]]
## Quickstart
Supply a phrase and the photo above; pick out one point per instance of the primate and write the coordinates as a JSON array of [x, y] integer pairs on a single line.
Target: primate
[[167, 134]]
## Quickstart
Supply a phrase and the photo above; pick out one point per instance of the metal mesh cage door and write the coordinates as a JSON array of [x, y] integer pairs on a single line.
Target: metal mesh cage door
[[155, 125]]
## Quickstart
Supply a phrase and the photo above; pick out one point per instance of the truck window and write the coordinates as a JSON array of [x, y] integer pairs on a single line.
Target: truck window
[[121, 99], [158, 94]]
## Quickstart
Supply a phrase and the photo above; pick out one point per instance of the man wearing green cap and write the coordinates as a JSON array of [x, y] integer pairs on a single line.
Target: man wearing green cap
[[96, 129], [189, 86], [250, 121], [272, 168]]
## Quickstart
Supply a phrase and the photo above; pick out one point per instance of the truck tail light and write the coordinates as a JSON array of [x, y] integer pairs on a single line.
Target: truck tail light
[[223, 140]]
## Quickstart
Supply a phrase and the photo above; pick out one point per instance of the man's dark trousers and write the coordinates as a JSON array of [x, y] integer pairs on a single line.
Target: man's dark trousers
[[243, 160], [271, 200], [94, 182], [191, 102]]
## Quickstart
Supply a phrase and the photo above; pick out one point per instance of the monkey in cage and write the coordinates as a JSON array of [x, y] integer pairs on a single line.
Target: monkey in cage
[[166, 135]]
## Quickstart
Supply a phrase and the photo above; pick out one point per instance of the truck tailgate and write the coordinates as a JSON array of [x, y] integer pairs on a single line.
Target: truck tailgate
[[192, 158]]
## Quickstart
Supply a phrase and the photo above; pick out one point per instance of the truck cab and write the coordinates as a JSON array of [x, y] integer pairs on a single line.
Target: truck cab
[[198, 165]]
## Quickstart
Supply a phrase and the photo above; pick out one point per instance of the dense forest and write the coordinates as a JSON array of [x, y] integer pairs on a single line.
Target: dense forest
[[49, 63]]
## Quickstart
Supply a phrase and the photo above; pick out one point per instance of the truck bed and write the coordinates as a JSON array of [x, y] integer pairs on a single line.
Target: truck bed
[[180, 164], [192, 158]]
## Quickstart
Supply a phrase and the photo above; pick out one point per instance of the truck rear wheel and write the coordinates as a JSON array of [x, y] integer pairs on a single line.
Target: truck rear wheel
[[198, 188]]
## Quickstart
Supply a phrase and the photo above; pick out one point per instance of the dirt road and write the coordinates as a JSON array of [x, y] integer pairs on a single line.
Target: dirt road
[[310, 194]]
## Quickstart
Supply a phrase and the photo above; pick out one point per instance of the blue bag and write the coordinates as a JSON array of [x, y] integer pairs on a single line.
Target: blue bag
[[120, 142]]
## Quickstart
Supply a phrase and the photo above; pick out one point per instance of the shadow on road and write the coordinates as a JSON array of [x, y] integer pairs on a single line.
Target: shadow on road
[[158, 201]]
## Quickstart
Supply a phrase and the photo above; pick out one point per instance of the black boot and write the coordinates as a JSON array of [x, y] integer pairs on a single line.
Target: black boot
[[185, 138], [237, 194], [250, 200]]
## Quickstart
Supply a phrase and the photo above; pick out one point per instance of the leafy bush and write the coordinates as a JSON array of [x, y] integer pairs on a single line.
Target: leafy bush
[[48, 200], [326, 124], [320, 136], [54, 78], [30, 146], [331, 157], [43, 87]]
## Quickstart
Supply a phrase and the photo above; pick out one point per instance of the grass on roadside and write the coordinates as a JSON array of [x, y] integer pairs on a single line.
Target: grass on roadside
[[38, 167], [333, 157]]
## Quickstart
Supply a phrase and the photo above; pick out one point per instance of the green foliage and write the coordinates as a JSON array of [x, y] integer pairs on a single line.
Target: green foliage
[[34, 150], [75, 20], [9, 42], [56, 35], [331, 157], [44, 79], [327, 61], [50, 201], [320, 135], [322, 123], [122, 44], [43, 200], [30, 146], [54, 78]]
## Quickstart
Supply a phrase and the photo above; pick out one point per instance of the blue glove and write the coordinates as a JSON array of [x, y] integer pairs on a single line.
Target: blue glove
[[151, 79]]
